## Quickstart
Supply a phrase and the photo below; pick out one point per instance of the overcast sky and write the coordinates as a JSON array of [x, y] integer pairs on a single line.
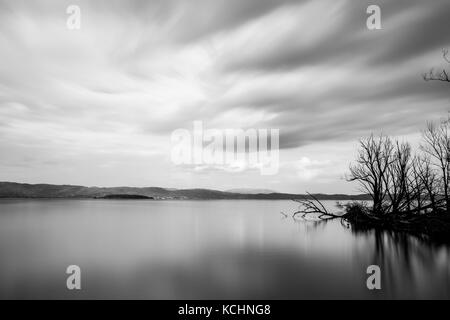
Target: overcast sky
[[97, 106]]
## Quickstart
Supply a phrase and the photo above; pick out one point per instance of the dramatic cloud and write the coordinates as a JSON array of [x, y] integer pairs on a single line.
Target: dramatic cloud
[[97, 106]]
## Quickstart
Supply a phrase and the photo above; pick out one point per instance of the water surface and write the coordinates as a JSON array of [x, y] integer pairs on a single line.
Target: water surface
[[228, 249]]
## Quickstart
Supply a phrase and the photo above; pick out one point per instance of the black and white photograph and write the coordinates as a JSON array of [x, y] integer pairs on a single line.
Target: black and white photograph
[[226, 150]]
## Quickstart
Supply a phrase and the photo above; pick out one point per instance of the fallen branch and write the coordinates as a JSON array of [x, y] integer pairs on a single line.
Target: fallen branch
[[313, 206]]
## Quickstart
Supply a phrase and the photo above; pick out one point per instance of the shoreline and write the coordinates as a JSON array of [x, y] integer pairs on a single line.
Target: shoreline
[[432, 227], [160, 199]]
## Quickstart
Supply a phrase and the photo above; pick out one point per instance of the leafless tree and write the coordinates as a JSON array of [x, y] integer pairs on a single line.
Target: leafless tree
[[371, 169], [397, 179], [401, 183], [425, 183], [404, 185], [437, 146], [442, 75]]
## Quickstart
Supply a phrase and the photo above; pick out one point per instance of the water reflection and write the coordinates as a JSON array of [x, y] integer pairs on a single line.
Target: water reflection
[[205, 250], [406, 262], [412, 266]]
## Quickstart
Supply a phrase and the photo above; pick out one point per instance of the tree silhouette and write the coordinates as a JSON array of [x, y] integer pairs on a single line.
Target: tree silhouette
[[437, 147], [439, 76]]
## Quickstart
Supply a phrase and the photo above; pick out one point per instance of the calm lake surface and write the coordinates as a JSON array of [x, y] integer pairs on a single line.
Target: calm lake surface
[[241, 249]]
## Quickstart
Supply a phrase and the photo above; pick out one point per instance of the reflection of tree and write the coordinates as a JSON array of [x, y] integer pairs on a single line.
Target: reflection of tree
[[411, 265], [401, 257]]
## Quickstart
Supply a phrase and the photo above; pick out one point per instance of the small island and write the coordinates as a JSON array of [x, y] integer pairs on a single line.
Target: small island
[[125, 197]]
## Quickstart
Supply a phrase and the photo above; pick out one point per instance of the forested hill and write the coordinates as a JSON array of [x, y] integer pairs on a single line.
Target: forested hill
[[22, 190]]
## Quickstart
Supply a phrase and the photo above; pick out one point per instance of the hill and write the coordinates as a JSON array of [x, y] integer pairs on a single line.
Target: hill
[[24, 190], [250, 191]]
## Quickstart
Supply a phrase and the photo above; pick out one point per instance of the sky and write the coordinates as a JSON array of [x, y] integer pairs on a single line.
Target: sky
[[97, 106]]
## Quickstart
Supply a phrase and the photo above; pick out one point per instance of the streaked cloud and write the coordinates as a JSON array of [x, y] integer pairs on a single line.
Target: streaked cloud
[[96, 106]]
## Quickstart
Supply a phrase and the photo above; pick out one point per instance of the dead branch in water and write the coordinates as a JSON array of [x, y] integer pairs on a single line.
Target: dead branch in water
[[313, 206]]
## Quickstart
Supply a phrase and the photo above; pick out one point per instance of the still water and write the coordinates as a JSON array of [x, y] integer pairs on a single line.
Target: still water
[[241, 249]]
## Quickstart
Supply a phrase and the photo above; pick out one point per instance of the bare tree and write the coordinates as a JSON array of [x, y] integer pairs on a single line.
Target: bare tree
[[372, 165], [425, 182], [397, 179], [399, 182], [442, 75], [437, 147], [404, 186], [418, 188]]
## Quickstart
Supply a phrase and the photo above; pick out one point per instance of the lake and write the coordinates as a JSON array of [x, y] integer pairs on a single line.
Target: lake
[[225, 249]]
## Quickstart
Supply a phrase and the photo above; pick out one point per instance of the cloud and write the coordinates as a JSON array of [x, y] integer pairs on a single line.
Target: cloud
[[115, 90], [410, 29], [308, 169]]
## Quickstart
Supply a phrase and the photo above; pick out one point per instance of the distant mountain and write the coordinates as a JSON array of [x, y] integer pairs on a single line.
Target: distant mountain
[[250, 191], [125, 197], [23, 190]]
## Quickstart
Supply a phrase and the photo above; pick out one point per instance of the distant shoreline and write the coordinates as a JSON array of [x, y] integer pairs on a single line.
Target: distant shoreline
[[13, 190], [159, 200]]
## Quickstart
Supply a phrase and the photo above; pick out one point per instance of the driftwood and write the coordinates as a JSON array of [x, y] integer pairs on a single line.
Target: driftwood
[[313, 206]]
